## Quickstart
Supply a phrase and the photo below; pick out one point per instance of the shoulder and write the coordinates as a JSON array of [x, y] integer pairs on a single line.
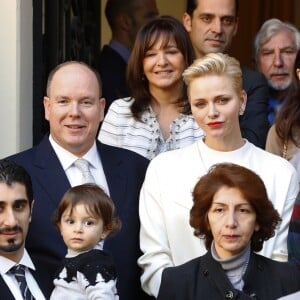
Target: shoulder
[[183, 272], [279, 278], [121, 105], [186, 153], [271, 159], [250, 74], [92, 263], [92, 257], [253, 80], [272, 131], [166, 165], [188, 274], [36, 153], [108, 55], [274, 144], [116, 153], [17, 157], [283, 270]]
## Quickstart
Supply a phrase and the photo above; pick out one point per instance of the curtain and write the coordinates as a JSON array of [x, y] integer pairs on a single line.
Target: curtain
[[252, 15]]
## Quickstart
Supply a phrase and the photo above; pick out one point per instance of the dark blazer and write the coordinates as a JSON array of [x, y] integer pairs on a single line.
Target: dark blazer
[[124, 171], [203, 278], [254, 122], [46, 289], [112, 69]]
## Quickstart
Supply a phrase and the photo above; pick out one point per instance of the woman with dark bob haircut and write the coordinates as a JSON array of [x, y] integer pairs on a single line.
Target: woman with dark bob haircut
[[234, 216], [157, 116], [252, 189]]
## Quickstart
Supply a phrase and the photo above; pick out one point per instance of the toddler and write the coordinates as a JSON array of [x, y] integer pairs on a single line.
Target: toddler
[[85, 218]]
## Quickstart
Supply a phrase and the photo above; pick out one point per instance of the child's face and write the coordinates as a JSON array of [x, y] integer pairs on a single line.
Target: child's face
[[80, 230]]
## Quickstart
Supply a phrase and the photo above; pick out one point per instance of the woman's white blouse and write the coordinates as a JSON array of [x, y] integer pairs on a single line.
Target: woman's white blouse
[[120, 129]]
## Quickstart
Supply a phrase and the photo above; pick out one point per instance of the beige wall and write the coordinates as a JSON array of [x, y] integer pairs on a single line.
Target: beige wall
[[16, 76], [165, 7]]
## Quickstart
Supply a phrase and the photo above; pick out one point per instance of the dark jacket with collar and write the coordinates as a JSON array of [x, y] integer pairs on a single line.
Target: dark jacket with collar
[[124, 171], [45, 286], [112, 69], [203, 278], [254, 122]]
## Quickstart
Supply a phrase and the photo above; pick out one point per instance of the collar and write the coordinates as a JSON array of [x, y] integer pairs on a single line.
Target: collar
[[72, 253], [234, 262], [6, 264], [120, 49], [66, 158]]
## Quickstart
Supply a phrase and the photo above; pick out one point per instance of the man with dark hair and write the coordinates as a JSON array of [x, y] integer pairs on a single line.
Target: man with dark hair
[[16, 201], [212, 24], [74, 108], [125, 17]]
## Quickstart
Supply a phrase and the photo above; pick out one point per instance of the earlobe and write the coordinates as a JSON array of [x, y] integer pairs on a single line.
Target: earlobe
[[46, 107], [102, 105], [32, 203], [124, 22], [298, 73], [236, 26], [257, 227], [244, 100], [104, 235]]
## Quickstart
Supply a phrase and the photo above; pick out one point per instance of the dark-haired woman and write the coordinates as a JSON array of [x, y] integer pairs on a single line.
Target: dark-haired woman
[[284, 136], [234, 218], [156, 118]]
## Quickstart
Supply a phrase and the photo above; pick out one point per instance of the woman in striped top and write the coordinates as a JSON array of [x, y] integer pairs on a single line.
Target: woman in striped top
[[157, 117]]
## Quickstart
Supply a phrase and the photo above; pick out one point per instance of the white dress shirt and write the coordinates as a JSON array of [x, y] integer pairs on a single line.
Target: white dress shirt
[[5, 266], [74, 175]]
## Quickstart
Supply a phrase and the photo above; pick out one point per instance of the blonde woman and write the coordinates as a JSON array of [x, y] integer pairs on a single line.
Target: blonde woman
[[217, 99]]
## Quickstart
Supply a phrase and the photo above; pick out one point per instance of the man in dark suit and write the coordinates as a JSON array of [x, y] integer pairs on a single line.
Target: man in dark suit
[[16, 202], [74, 109], [124, 18], [211, 25]]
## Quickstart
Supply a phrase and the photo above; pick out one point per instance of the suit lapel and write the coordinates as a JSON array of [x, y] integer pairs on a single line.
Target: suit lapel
[[113, 167], [45, 286], [5, 291], [48, 169], [217, 276]]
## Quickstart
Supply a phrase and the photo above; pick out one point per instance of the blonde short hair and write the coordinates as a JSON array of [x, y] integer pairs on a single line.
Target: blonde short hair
[[215, 64]]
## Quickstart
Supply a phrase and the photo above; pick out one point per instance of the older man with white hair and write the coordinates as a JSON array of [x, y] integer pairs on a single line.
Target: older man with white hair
[[275, 48]]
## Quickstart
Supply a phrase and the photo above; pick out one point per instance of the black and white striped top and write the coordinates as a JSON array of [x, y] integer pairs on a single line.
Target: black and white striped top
[[120, 129]]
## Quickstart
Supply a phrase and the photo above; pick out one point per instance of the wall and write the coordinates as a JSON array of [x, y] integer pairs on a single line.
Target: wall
[[16, 75], [165, 8], [16, 57], [252, 14]]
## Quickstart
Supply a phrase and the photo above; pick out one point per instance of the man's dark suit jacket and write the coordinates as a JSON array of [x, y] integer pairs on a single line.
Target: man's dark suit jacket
[[254, 122], [112, 69], [45, 286], [204, 278], [124, 171]]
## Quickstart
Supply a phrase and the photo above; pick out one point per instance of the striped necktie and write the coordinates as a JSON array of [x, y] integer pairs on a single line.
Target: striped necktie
[[19, 272]]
